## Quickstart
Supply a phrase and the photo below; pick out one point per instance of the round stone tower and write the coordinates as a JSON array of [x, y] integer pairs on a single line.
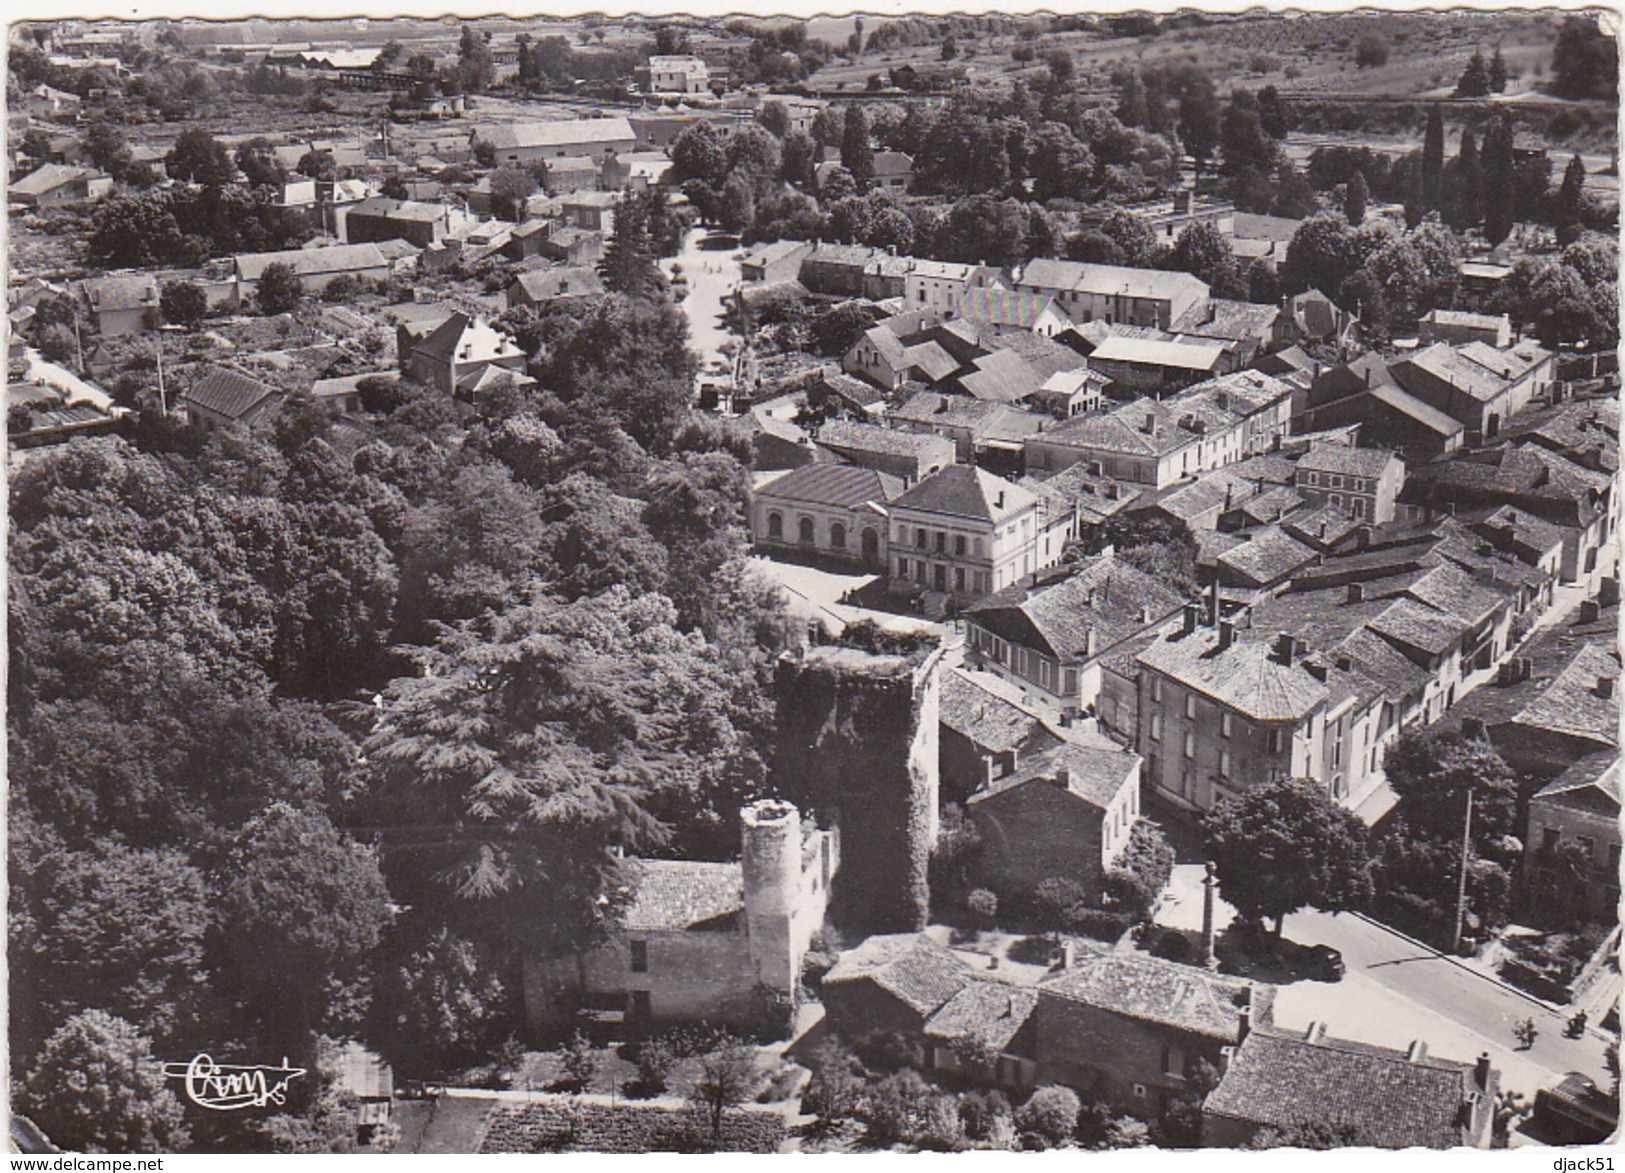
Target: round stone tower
[[771, 865]]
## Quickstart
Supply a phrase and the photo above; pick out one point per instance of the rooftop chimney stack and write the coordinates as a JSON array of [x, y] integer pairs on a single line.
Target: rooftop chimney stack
[[1193, 615], [1481, 1071], [1606, 686], [1227, 633]]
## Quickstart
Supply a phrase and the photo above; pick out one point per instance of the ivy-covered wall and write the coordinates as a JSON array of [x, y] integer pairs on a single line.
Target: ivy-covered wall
[[857, 746]]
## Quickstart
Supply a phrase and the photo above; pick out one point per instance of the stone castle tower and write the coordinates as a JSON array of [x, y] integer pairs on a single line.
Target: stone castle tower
[[857, 748], [770, 861]]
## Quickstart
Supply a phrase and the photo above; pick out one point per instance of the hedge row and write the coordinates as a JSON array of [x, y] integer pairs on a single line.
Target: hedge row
[[625, 1128]]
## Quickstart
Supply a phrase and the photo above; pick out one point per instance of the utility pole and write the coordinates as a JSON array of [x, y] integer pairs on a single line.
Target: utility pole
[[1461, 887], [163, 400]]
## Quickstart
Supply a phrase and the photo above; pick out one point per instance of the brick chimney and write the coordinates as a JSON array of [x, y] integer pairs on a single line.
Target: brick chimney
[[1417, 1052], [1227, 633], [1281, 649], [1356, 592], [1606, 686], [1192, 618], [1481, 1071]]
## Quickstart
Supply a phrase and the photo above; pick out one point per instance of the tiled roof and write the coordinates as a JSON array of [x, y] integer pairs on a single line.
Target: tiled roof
[[1409, 623], [931, 359], [562, 133], [1390, 1101], [1456, 368], [1233, 320], [1512, 363], [1207, 492], [669, 895], [1271, 505], [542, 285], [845, 486], [311, 262], [910, 966], [1106, 596], [1243, 676], [228, 392], [1094, 775], [961, 490], [1075, 487], [1424, 414], [1573, 704], [989, 1013], [1000, 306], [1452, 590], [1141, 428], [987, 719], [855, 437], [392, 209], [1467, 318], [1190, 356], [122, 293], [1590, 785], [1241, 392], [1267, 468], [1252, 226], [1268, 558], [1522, 532], [1109, 280], [1002, 376], [1162, 992], [1339, 458], [48, 178]]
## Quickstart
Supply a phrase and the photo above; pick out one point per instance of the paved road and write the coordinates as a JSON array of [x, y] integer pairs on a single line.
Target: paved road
[[1454, 992], [712, 275]]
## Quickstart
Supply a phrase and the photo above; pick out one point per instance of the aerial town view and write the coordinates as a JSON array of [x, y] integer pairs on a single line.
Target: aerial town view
[[877, 584]]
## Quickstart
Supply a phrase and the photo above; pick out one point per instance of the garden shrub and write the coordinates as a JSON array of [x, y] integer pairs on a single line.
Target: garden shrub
[[896, 1107], [1050, 1113]]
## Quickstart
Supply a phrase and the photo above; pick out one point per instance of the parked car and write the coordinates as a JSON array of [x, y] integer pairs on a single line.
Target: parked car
[[1325, 964]]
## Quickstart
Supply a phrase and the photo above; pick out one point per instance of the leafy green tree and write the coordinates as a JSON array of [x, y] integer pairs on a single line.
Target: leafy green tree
[[738, 208], [1199, 119], [1370, 51], [1433, 772], [1061, 166], [476, 68], [1242, 141], [728, 1077], [628, 266], [258, 164], [1320, 255], [1475, 78], [1203, 251], [279, 290], [775, 118], [115, 928], [198, 158], [302, 905], [539, 739], [1355, 199], [439, 999], [97, 1088], [1284, 845], [1433, 158], [856, 154], [1315, 1135], [183, 303], [798, 158], [1499, 196], [700, 152], [1569, 206], [1498, 72], [1585, 61], [314, 164], [1050, 1113], [511, 188]]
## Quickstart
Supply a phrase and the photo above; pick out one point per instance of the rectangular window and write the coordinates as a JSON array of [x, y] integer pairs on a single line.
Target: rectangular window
[[1224, 763], [1225, 726], [959, 545], [1190, 744], [1276, 740], [942, 542], [1190, 707], [1156, 689], [1613, 859], [902, 568], [959, 578], [1070, 682], [1156, 726], [640, 957], [919, 538], [1587, 845]]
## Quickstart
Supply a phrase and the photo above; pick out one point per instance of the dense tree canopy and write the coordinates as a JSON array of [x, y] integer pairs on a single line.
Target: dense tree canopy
[[1286, 845]]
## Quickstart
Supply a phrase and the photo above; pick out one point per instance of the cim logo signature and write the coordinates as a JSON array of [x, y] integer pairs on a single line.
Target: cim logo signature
[[225, 1087]]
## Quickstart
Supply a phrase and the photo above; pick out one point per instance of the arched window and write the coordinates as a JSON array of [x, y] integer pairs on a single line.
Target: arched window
[[837, 536], [775, 526], [808, 537]]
